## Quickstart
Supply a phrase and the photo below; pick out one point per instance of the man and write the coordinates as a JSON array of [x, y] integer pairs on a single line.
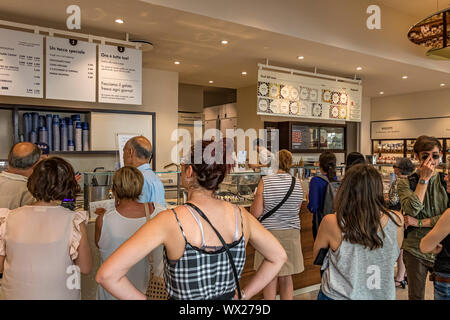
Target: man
[[137, 152], [13, 182], [423, 197]]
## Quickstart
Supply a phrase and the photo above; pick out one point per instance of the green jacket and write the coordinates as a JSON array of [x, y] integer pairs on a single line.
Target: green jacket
[[434, 204]]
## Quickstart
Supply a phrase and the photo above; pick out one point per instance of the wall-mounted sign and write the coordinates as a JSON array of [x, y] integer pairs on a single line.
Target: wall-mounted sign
[[119, 75], [410, 129], [298, 96], [21, 63], [71, 69]]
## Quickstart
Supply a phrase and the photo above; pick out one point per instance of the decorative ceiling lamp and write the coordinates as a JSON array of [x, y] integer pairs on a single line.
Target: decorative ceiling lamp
[[434, 32]]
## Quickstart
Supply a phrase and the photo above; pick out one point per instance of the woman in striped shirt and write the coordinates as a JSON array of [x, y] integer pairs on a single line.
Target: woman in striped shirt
[[284, 223]]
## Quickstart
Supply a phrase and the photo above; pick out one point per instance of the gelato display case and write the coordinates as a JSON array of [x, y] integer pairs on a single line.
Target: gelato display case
[[239, 188]]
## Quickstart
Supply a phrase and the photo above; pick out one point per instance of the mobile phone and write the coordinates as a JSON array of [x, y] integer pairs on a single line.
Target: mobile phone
[[69, 204], [321, 256]]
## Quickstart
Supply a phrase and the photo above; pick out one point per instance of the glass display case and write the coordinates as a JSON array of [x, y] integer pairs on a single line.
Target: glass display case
[[175, 194], [239, 187], [97, 186]]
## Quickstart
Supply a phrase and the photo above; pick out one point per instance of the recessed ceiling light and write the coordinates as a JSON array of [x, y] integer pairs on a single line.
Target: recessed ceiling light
[[405, 77], [381, 92], [244, 73], [359, 68], [210, 81], [224, 42], [442, 84], [119, 21], [300, 57], [177, 62]]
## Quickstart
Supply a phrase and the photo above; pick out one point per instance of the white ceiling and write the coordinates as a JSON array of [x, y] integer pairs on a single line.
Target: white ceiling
[[416, 8], [195, 41]]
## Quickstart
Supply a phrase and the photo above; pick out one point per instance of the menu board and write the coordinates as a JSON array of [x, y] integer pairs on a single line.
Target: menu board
[[298, 96], [301, 137], [119, 75], [21, 63], [71, 69]]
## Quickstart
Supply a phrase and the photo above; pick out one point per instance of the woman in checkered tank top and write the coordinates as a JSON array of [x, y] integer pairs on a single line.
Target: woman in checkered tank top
[[197, 264]]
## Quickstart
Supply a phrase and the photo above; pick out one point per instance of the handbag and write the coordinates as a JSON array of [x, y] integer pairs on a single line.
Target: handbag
[[156, 289], [230, 256], [278, 206]]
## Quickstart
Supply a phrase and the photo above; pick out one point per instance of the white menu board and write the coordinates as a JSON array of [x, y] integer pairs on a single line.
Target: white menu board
[[71, 69], [296, 96], [21, 63], [119, 75]]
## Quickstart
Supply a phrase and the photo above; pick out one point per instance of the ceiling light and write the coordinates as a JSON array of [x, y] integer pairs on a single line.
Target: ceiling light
[[177, 62], [300, 57], [442, 84], [119, 21], [381, 92], [405, 77], [210, 81], [244, 73], [224, 42], [359, 68]]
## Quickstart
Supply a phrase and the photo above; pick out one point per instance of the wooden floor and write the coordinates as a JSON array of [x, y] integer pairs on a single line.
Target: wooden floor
[[311, 275]]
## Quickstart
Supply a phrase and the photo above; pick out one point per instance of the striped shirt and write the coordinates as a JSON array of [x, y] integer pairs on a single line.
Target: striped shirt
[[275, 188]]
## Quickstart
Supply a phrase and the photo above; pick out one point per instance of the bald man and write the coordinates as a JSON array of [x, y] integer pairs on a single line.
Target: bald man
[[13, 182], [137, 152]]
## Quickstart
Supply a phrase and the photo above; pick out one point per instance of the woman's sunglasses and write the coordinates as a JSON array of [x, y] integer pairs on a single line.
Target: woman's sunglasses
[[434, 156]]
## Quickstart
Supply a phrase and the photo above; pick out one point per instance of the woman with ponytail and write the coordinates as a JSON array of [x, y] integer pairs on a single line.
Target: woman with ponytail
[[318, 188], [204, 240]]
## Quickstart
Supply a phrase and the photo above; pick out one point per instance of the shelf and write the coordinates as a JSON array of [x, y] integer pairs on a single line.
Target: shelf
[[83, 152]]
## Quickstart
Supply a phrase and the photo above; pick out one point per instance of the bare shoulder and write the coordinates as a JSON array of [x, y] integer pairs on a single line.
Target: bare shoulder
[[330, 224], [398, 215]]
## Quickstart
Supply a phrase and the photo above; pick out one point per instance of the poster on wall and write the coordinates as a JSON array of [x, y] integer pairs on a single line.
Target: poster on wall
[[119, 75], [71, 69], [290, 95], [21, 63]]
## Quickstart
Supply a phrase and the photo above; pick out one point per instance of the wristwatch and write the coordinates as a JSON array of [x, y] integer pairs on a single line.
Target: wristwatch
[[422, 181]]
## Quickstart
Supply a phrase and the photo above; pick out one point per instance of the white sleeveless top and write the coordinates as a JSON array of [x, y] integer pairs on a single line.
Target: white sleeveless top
[[117, 229]]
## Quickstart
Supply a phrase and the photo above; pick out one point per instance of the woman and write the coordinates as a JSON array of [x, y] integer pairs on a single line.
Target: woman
[[437, 241], [118, 225], [196, 264], [284, 223], [44, 247], [363, 240], [352, 159], [318, 188], [402, 169]]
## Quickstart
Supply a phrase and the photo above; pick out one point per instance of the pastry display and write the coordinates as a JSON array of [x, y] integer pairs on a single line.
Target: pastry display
[[274, 90], [263, 89]]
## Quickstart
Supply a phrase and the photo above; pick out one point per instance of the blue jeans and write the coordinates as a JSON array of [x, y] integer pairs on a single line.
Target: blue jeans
[[322, 296], [442, 289]]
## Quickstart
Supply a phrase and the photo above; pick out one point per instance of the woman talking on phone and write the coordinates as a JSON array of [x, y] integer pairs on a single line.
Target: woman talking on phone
[[423, 197]]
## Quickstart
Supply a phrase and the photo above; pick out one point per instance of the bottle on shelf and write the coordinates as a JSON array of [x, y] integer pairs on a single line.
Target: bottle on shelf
[[43, 135], [63, 131], [56, 133], [70, 145], [69, 129], [48, 120], [78, 137], [85, 134], [35, 121], [33, 136], [26, 126]]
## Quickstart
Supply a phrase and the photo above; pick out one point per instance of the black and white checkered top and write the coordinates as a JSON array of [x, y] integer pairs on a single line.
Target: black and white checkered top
[[202, 274]]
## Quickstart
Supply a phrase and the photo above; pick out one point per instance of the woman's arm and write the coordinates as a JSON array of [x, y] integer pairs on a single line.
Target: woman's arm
[[400, 228], [112, 274], [84, 259], [98, 229], [324, 234], [2, 261], [274, 256], [257, 207], [431, 242]]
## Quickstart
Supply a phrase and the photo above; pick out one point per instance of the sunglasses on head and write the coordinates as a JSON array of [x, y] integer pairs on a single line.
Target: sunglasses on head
[[434, 156]]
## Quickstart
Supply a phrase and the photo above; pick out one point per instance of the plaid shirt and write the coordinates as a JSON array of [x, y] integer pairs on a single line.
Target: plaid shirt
[[203, 275]]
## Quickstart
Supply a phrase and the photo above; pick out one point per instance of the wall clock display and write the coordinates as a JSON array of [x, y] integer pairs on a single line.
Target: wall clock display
[[294, 107], [263, 89], [334, 112], [304, 93], [274, 90], [274, 106], [344, 98], [263, 105], [335, 97], [285, 92], [313, 95], [316, 110], [326, 96], [284, 107], [294, 94]]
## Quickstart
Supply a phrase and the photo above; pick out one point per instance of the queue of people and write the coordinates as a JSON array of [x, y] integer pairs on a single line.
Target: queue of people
[[201, 246]]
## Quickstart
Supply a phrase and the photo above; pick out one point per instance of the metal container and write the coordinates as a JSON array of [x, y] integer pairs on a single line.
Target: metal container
[[97, 186]]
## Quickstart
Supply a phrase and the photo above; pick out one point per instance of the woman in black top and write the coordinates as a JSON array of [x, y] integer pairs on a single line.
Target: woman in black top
[[437, 241]]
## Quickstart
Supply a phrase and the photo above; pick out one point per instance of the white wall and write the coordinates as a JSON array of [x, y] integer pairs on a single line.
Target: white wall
[[364, 137], [159, 95]]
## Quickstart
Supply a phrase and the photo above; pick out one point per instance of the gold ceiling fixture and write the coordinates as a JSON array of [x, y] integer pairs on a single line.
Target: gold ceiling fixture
[[433, 32]]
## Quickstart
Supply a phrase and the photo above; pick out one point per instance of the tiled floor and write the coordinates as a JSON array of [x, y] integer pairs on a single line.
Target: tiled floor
[[402, 294]]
